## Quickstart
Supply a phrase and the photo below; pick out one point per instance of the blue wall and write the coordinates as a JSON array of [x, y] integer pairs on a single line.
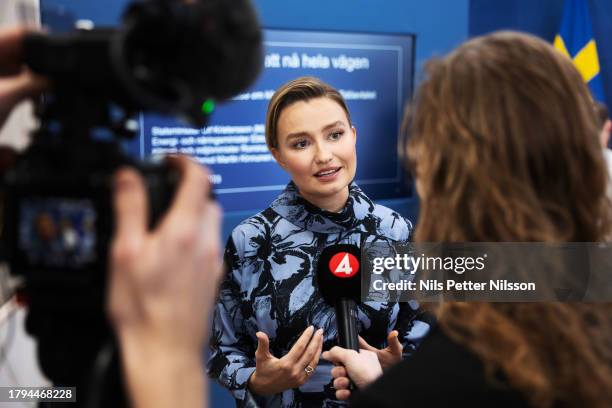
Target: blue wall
[[543, 18]]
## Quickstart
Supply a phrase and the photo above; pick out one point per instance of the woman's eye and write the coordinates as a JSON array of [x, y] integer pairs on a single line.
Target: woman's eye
[[301, 144], [335, 135]]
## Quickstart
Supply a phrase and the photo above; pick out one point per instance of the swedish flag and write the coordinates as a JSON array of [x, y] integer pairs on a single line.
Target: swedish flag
[[576, 40]]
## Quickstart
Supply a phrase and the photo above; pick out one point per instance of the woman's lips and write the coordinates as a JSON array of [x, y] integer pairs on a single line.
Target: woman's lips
[[328, 174]]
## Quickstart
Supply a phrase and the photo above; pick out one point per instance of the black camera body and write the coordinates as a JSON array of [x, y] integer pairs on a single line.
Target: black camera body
[[167, 56], [56, 215], [58, 209]]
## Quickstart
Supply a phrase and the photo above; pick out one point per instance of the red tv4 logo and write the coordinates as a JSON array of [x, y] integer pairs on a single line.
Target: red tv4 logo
[[344, 265]]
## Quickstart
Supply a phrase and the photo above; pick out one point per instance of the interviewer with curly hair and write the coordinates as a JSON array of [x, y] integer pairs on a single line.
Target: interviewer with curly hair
[[505, 147]]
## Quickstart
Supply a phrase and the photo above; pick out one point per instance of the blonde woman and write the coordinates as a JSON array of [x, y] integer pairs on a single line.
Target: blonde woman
[[271, 323]]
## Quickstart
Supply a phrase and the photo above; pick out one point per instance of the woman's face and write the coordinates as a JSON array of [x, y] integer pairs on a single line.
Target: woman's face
[[316, 146]]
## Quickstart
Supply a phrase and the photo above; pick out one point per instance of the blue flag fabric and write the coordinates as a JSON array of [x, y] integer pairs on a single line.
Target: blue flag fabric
[[576, 40]]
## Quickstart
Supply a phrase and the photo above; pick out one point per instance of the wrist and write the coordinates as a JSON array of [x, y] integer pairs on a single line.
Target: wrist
[[389, 362], [156, 376], [144, 341], [252, 383], [256, 386]]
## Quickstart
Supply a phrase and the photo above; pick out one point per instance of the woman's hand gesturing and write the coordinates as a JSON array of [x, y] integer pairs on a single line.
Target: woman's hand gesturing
[[390, 355], [273, 375]]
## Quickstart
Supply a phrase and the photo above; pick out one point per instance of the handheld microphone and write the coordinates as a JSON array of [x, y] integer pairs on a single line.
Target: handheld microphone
[[339, 279]]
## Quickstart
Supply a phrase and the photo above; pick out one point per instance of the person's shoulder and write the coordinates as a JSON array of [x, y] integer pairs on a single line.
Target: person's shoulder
[[253, 228], [440, 373], [392, 224]]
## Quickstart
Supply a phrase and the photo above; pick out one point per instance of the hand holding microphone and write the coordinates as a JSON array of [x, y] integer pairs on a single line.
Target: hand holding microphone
[[273, 375], [361, 368], [339, 278]]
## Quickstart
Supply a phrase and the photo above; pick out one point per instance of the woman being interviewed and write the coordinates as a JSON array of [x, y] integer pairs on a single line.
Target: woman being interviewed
[[271, 322]]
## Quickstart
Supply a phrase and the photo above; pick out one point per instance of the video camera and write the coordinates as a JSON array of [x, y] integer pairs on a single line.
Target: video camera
[[167, 56]]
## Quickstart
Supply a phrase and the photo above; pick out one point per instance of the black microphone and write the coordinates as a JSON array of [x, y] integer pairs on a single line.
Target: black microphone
[[339, 279]]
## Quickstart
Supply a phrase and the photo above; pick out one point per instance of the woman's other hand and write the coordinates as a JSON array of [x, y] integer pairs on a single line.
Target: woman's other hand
[[273, 375], [390, 355]]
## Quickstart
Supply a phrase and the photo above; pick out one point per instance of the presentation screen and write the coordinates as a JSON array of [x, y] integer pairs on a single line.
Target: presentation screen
[[373, 72]]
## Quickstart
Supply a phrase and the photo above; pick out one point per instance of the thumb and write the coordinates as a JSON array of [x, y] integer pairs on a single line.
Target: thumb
[[263, 345], [393, 343]]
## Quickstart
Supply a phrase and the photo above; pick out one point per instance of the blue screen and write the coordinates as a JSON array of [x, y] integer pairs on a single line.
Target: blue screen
[[374, 72]]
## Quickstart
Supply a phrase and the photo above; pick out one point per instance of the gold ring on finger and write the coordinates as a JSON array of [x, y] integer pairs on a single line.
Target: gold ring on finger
[[309, 370]]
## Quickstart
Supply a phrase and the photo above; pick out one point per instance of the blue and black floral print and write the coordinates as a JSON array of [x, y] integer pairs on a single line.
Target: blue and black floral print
[[271, 287]]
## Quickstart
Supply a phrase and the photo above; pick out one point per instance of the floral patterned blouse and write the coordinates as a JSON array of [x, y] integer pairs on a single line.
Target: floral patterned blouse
[[271, 286]]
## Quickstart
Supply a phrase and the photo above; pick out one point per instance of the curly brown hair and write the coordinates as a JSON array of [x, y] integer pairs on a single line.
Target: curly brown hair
[[504, 146]]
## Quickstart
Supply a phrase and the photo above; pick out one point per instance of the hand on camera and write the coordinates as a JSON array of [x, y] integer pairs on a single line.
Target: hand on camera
[[362, 368], [16, 82], [273, 375], [390, 355], [162, 285], [164, 281]]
